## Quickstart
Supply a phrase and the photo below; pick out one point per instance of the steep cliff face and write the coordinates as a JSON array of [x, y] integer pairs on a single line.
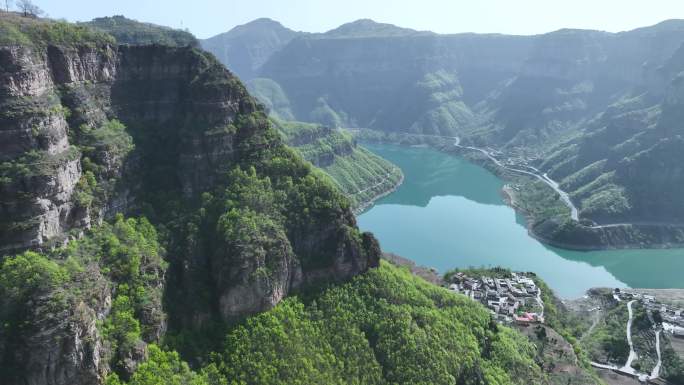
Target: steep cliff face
[[41, 166], [58, 345], [375, 75], [179, 105], [90, 129], [74, 315]]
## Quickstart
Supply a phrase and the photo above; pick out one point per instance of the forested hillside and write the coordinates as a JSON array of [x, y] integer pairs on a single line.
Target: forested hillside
[[361, 175], [383, 327]]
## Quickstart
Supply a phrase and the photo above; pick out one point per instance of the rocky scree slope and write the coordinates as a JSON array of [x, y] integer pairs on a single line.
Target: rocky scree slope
[[91, 129]]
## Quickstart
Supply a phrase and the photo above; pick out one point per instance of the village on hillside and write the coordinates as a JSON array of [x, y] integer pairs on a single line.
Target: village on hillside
[[515, 299]]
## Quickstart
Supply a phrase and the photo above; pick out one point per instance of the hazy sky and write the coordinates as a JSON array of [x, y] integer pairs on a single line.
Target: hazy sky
[[206, 18]]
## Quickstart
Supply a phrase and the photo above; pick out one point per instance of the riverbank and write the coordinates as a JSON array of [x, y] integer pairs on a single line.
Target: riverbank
[[449, 213], [558, 229], [588, 238], [362, 206], [566, 230]]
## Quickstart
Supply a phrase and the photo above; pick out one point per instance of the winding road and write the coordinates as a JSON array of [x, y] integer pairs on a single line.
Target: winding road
[[384, 180], [540, 302], [656, 370], [632, 354], [565, 197], [627, 368], [597, 318], [574, 214]]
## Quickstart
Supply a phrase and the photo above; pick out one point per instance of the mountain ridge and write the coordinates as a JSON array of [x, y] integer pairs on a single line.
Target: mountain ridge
[[530, 97], [369, 28], [264, 37]]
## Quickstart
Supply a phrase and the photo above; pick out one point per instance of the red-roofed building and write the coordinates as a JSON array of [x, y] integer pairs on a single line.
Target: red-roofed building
[[526, 318]]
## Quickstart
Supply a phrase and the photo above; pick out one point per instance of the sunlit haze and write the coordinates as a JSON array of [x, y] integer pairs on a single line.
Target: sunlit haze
[[206, 18]]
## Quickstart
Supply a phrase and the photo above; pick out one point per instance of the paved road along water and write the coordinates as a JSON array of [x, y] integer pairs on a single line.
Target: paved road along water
[[450, 213]]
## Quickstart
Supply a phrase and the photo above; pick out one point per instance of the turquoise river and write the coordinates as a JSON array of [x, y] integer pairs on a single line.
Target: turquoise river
[[450, 213]]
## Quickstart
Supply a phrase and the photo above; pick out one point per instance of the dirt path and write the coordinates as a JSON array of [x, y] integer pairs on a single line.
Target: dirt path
[[597, 318], [565, 197], [384, 180]]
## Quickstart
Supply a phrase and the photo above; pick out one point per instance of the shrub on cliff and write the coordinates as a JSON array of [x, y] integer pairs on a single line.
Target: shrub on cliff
[[128, 31], [17, 30], [123, 258]]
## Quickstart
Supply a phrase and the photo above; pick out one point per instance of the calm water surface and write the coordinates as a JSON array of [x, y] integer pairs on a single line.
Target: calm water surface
[[450, 213]]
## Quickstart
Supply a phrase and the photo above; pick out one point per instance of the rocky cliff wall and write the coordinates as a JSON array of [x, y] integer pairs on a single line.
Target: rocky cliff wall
[[92, 130], [41, 166]]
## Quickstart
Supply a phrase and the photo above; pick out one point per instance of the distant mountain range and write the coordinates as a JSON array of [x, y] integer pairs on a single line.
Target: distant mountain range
[[600, 112]]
